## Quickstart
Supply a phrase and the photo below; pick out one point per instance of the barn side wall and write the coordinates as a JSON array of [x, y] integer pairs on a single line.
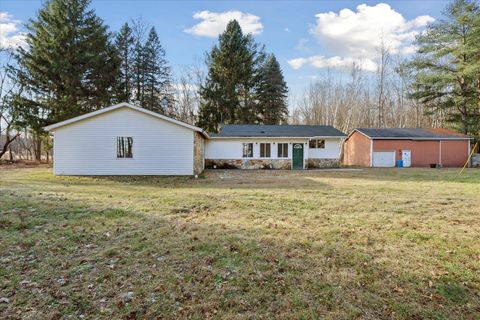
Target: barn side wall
[[426, 152], [356, 150], [454, 152]]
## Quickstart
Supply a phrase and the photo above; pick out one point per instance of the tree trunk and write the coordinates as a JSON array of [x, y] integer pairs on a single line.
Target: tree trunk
[[7, 144], [464, 119], [38, 148]]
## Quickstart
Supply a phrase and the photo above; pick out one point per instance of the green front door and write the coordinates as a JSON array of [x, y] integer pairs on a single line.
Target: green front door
[[297, 156]]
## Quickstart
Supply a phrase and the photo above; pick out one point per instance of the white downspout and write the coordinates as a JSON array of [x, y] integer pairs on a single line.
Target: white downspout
[[468, 155], [371, 152], [440, 154], [306, 153]]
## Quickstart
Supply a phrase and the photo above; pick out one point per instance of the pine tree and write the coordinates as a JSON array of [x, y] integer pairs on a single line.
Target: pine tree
[[227, 95], [473, 69], [272, 93], [139, 71], [124, 43], [70, 67], [447, 66], [157, 75]]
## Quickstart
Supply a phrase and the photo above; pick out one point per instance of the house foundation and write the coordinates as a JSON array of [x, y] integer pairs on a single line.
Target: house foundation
[[273, 164], [322, 163]]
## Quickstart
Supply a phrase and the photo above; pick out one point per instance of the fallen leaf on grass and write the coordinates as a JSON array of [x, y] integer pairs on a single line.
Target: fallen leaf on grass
[[398, 289]]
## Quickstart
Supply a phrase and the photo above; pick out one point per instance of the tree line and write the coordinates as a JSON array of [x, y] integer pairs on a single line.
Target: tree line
[[243, 84], [73, 65], [439, 86]]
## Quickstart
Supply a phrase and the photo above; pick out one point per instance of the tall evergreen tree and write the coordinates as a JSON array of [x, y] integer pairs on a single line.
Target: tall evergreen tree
[[272, 93], [227, 95], [70, 66], [138, 65], [157, 78], [124, 43], [447, 65]]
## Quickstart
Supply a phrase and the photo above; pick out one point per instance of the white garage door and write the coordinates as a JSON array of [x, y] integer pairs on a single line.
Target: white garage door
[[384, 159]]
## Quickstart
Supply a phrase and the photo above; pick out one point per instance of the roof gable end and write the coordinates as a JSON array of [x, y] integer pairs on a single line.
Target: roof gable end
[[67, 122]]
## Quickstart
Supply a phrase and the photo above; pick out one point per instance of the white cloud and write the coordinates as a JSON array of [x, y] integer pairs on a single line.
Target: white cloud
[[214, 23], [10, 36], [356, 36], [320, 62]]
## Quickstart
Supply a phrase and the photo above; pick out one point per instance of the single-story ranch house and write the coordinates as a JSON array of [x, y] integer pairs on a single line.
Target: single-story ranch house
[[274, 147], [127, 140], [416, 147]]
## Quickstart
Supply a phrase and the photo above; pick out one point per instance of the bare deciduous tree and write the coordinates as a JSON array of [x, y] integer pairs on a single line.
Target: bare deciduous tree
[[7, 114], [365, 99], [187, 96]]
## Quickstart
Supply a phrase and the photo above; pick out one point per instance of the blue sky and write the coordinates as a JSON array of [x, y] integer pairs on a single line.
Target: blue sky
[[306, 36]]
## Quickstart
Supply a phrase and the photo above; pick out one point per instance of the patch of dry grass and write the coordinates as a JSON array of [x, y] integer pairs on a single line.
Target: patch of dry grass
[[370, 244]]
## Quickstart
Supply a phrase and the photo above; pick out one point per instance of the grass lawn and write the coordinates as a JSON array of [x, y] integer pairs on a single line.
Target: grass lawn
[[370, 244]]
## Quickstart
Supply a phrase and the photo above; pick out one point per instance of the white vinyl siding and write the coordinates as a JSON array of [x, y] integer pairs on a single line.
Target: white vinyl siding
[[231, 149], [89, 147], [331, 150]]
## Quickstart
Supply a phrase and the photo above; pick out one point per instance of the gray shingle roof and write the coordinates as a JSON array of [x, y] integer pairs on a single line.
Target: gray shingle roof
[[417, 133], [255, 130]]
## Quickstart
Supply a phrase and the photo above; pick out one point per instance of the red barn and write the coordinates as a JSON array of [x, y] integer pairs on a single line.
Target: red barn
[[416, 147]]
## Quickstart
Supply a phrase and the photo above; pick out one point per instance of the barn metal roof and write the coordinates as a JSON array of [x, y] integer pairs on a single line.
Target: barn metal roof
[[412, 133], [276, 131]]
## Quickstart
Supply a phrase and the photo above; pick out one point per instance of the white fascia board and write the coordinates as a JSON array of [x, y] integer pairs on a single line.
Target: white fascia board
[[356, 130]]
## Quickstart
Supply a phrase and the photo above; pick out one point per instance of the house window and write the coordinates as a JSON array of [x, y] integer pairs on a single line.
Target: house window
[[264, 150], [317, 144], [124, 147], [283, 150], [247, 150]]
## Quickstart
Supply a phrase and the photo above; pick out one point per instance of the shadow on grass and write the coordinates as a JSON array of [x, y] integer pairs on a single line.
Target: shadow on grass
[[241, 179], [275, 178], [264, 179]]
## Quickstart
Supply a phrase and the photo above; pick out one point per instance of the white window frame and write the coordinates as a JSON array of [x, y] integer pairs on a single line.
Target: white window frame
[[248, 145], [269, 149], [317, 142], [282, 156], [125, 141]]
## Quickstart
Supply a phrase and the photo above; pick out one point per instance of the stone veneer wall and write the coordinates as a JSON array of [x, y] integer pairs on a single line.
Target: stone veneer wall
[[198, 152], [322, 163], [285, 164]]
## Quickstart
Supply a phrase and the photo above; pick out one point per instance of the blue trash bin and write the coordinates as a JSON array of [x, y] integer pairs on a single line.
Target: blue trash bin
[[399, 163]]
